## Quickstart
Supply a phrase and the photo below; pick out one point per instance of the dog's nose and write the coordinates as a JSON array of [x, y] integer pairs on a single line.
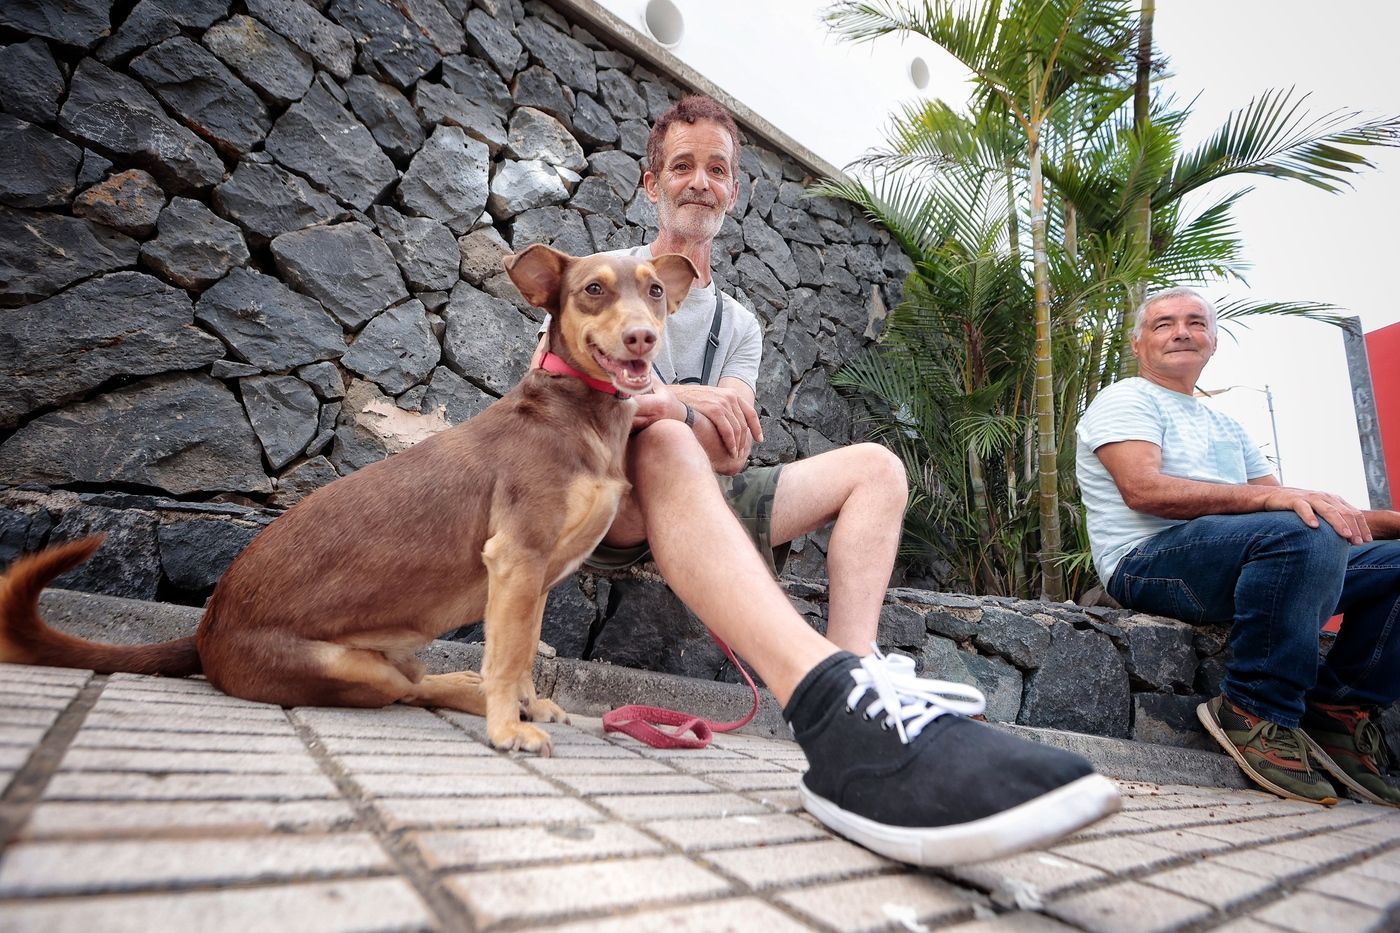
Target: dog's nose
[[639, 339]]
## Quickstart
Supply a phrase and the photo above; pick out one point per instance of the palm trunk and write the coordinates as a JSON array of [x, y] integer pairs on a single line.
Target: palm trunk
[[1052, 578], [1141, 228]]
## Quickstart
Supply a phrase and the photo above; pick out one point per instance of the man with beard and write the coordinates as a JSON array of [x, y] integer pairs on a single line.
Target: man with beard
[[893, 764]]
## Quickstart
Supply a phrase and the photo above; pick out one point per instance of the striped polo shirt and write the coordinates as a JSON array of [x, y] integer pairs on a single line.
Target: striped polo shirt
[[1197, 442]]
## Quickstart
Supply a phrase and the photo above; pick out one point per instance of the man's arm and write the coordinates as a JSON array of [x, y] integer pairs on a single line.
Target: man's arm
[[726, 423], [1136, 468]]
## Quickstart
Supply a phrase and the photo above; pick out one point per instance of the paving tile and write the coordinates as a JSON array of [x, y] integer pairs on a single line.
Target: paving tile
[[907, 901], [1016, 922], [1118, 854], [641, 807], [326, 907], [1264, 864], [759, 780], [526, 845], [1384, 829], [104, 759], [1353, 884], [591, 750], [34, 673], [736, 831], [140, 818], [798, 863], [728, 765], [203, 724], [200, 708], [1036, 875], [46, 868], [1308, 911], [1385, 867], [12, 757], [783, 801], [21, 735], [430, 764], [404, 813], [591, 784], [563, 891], [1320, 848], [37, 696], [566, 766], [454, 785], [187, 741], [1120, 824], [28, 716], [1268, 829], [1246, 925], [1128, 907], [446, 744], [106, 785], [740, 915], [176, 700], [1218, 885], [166, 684]]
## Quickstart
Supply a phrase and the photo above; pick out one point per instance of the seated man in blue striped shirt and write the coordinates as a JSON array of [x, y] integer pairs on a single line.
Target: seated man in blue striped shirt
[[1186, 519]]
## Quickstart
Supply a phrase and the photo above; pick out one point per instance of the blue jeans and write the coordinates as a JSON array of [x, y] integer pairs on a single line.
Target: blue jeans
[[1277, 582]]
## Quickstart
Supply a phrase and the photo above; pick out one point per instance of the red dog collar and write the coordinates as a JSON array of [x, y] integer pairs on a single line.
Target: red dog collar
[[553, 363]]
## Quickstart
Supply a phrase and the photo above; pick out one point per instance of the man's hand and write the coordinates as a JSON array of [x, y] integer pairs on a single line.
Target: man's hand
[[1316, 507], [657, 405], [731, 413]]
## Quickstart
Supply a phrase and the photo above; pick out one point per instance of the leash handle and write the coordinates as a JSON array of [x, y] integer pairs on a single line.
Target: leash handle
[[640, 722]]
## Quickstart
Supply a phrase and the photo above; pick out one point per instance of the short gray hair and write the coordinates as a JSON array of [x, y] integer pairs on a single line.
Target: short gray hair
[[1179, 291]]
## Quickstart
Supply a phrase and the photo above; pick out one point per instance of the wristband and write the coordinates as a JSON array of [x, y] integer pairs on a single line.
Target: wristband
[[689, 416]]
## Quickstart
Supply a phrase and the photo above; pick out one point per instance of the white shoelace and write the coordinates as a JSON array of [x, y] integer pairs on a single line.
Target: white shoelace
[[909, 702]]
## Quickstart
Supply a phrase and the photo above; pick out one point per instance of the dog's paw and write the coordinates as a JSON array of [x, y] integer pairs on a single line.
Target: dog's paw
[[542, 710], [521, 737]]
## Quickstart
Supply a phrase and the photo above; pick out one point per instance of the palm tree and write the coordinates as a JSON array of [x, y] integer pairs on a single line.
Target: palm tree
[[1024, 56], [1108, 172]]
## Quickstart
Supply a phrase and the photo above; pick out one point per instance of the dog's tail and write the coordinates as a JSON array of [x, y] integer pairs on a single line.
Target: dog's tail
[[26, 639]]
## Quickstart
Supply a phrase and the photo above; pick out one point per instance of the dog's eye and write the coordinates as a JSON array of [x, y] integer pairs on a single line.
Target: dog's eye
[[657, 291], [594, 289]]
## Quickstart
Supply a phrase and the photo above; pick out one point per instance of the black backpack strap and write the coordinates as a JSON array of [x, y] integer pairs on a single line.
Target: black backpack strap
[[712, 344]]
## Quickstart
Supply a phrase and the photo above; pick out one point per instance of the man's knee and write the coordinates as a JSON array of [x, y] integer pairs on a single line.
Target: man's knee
[[1325, 549], [667, 444], [882, 467]]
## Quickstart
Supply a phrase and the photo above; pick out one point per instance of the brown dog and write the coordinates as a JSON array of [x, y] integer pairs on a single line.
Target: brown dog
[[327, 606]]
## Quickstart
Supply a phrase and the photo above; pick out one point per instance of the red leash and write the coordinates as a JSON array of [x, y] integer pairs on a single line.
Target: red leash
[[640, 722]]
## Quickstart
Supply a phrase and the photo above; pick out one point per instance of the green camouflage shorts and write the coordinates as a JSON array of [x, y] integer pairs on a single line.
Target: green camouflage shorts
[[750, 494]]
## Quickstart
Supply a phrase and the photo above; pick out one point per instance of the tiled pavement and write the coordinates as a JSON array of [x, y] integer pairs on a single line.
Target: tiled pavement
[[135, 803]]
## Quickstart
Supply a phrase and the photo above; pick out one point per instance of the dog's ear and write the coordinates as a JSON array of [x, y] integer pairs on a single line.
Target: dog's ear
[[537, 272], [676, 273]]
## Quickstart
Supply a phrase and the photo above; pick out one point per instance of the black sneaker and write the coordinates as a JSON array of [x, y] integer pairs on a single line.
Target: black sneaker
[[895, 765]]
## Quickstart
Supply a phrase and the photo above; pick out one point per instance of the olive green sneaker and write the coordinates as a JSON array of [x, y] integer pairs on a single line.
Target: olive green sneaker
[[1347, 742], [1274, 757]]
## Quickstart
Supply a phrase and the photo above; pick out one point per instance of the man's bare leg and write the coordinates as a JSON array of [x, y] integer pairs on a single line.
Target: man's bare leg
[[863, 490], [709, 561]]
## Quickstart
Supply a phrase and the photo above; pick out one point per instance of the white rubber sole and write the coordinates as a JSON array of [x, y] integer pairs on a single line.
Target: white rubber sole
[[1036, 822]]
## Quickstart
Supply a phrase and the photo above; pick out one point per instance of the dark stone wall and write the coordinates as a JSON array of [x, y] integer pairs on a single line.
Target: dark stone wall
[[246, 247]]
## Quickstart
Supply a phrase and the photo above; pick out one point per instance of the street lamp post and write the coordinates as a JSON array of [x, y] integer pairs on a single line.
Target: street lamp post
[[1273, 422]]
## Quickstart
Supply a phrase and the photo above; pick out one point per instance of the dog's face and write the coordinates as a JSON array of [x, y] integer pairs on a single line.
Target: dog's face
[[609, 310]]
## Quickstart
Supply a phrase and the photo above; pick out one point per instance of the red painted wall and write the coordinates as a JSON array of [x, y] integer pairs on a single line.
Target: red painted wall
[[1383, 350]]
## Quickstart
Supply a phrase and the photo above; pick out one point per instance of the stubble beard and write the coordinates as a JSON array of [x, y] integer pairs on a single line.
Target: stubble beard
[[689, 224]]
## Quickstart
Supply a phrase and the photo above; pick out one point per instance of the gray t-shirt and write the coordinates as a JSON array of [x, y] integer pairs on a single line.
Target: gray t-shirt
[[1197, 442], [682, 354]]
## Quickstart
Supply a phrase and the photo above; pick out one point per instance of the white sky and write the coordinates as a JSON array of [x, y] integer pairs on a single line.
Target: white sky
[[1302, 243]]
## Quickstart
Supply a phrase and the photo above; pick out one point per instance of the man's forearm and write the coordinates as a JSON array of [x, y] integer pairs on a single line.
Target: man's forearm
[[1384, 523], [1173, 497]]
